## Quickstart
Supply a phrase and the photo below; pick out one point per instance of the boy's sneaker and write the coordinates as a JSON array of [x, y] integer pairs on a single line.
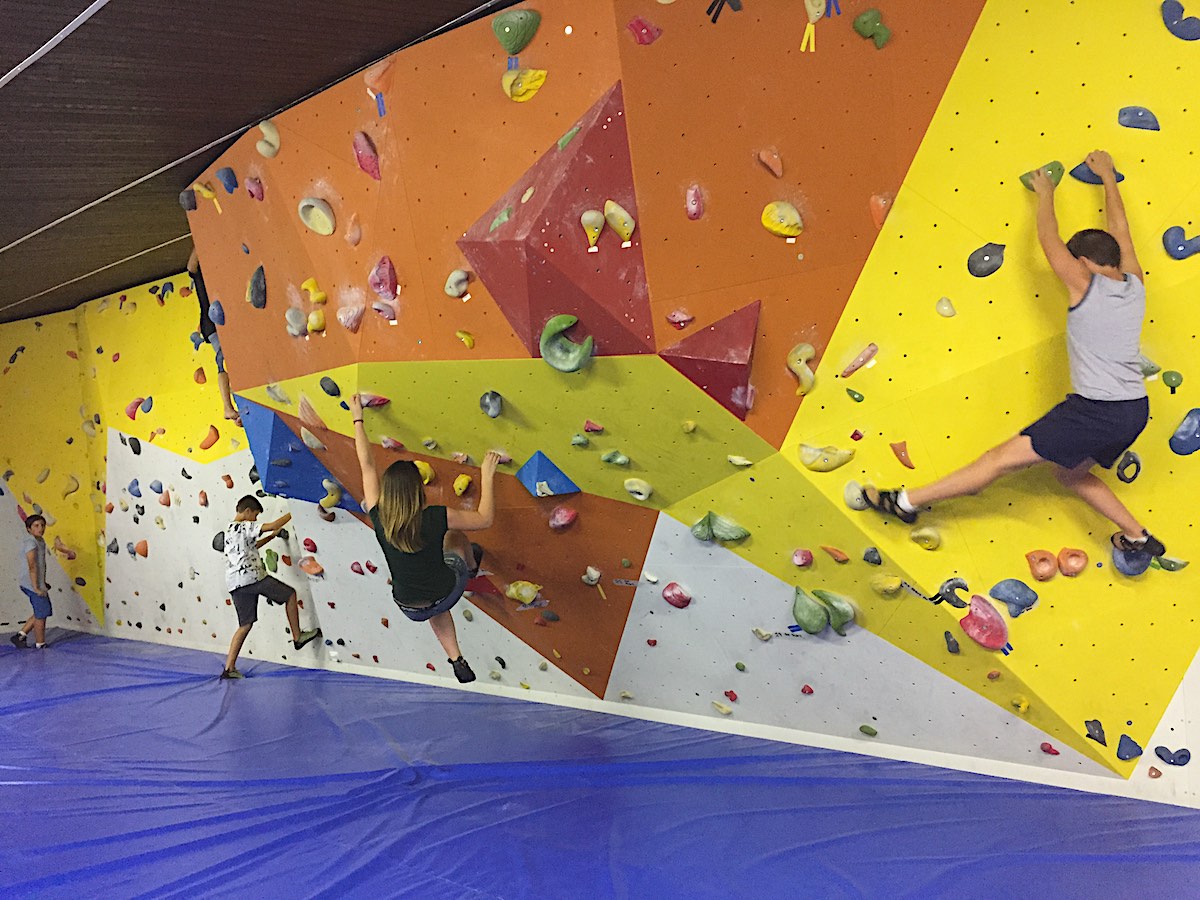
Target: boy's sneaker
[[1147, 543], [20, 641], [230, 674], [478, 551], [306, 638], [462, 671]]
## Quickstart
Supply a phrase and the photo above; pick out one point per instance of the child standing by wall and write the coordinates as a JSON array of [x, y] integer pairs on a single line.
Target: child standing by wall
[[33, 583], [430, 558], [247, 579]]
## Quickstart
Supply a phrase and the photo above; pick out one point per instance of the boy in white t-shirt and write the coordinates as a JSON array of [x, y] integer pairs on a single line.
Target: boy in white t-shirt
[[247, 579]]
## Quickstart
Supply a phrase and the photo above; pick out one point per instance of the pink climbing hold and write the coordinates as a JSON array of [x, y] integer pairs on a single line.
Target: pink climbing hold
[[592, 428], [164, 499], [644, 31], [371, 567], [984, 625], [856, 435], [562, 516], [677, 596], [357, 568], [680, 318], [391, 443], [1048, 749], [254, 187], [802, 558], [694, 202], [383, 279], [861, 360], [132, 407], [366, 155], [374, 401], [310, 546]]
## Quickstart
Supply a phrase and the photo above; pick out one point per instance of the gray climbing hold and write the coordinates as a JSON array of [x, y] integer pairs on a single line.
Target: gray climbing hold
[[492, 404], [1137, 117], [1015, 594], [1129, 468], [256, 289], [218, 542], [951, 643], [871, 556], [986, 260], [1095, 731], [948, 593], [329, 386], [187, 199]]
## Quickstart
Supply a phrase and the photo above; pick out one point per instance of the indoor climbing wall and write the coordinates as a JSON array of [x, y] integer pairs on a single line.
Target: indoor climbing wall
[[613, 241]]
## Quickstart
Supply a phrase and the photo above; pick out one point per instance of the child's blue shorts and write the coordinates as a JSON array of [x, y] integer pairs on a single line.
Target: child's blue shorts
[[41, 605], [1079, 429]]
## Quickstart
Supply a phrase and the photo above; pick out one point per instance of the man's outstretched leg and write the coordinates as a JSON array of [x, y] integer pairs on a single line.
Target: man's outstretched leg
[[1013, 455], [1099, 496]]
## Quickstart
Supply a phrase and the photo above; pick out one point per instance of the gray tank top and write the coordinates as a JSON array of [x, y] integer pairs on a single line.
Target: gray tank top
[[1103, 339]]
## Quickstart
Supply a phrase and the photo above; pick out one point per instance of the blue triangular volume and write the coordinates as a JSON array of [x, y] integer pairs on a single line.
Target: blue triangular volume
[[286, 467], [539, 470]]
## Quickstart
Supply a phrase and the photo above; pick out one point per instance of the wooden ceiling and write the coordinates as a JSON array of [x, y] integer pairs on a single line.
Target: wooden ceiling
[[100, 134]]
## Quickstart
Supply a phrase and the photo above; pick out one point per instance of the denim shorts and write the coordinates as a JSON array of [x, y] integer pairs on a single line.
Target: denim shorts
[[41, 605], [462, 575], [1079, 429]]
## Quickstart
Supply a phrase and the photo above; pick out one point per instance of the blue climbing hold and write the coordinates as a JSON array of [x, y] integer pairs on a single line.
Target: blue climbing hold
[[1128, 748], [147, 404], [156, 486], [1131, 563], [197, 339], [1137, 117], [1178, 245], [1186, 439], [134, 488], [1015, 594], [216, 313], [227, 178], [1083, 172], [542, 478], [1186, 28], [1178, 758]]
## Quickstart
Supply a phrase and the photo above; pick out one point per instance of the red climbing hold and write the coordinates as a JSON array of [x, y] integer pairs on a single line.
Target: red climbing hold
[[652, 643], [806, 690], [310, 545], [732, 696], [371, 567], [1048, 748], [984, 625], [430, 667], [717, 359]]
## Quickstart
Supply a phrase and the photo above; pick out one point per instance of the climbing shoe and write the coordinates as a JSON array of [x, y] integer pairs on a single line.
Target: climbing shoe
[[20, 641], [306, 638], [462, 671], [231, 674], [1147, 544], [478, 551], [887, 504]]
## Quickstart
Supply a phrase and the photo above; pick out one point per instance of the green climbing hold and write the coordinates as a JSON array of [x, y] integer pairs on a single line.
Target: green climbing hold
[[515, 28], [626, 563], [868, 730], [740, 666], [1054, 170], [870, 25], [271, 558], [559, 351], [841, 612], [1172, 379], [714, 527], [567, 138], [854, 395], [808, 613], [504, 216]]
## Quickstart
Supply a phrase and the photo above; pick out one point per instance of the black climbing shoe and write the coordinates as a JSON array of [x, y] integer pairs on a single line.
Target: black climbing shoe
[[462, 671], [888, 504], [306, 638], [20, 641], [1147, 544], [478, 551], [231, 674]]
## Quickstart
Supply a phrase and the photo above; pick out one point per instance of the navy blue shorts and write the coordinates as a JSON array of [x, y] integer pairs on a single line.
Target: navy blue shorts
[[1079, 429], [41, 605], [462, 575]]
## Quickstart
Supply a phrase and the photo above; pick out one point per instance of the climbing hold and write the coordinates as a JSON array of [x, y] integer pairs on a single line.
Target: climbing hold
[[1178, 245], [1048, 748], [1072, 561], [383, 279], [141, 548], [739, 461], [228, 179], [871, 556], [1148, 366], [1015, 594], [948, 593], [887, 584], [900, 448], [677, 595], [276, 393], [1128, 749], [558, 350], [722, 708], [824, 459], [615, 457], [782, 218], [373, 401], [492, 404], [680, 318], [256, 289], [308, 416], [841, 611], [854, 395], [297, 321], [317, 215], [1171, 564], [310, 546], [333, 494], [714, 527], [1178, 758], [693, 202], [515, 28], [802, 558], [1137, 117], [1170, 378], [521, 85], [619, 220], [1020, 704], [638, 489], [42, 476], [986, 260], [310, 566], [951, 643], [867, 354], [1186, 28], [926, 537], [1083, 172], [762, 635], [772, 161], [390, 443], [644, 32], [731, 696], [1153, 772], [457, 282], [132, 407], [147, 404], [268, 144], [203, 498], [1042, 564], [807, 690], [330, 387], [854, 497], [837, 555], [740, 666], [1130, 467], [1054, 171], [945, 308], [426, 470], [357, 569], [797, 362], [869, 24], [462, 484], [187, 199], [579, 440], [199, 377], [689, 426], [868, 730], [365, 154], [1186, 439], [808, 613], [311, 441], [592, 427], [211, 438], [549, 615], [316, 296], [525, 592], [467, 338], [984, 625], [880, 205], [227, 481], [254, 187]]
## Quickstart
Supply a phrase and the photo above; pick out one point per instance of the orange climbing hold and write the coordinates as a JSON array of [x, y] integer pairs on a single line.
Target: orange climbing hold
[[881, 205], [900, 448], [141, 548], [211, 438], [164, 499], [838, 555], [1071, 561], [310, 566], [770, 158], [228, 481], [1042, 564], [203, 498], [199, 377]]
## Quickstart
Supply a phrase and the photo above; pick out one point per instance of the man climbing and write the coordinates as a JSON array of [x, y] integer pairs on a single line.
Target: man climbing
[[1109, 408], [208, 332]]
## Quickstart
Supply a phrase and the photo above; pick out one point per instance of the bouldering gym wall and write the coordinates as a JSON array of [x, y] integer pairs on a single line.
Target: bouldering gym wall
[[697, 274]]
